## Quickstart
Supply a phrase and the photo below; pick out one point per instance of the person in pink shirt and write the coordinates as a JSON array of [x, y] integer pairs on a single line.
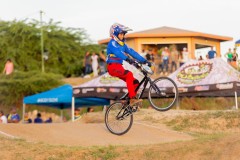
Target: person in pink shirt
[[9, 67]]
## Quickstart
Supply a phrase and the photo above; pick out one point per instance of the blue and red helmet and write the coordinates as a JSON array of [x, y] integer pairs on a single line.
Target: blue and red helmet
[[117, 28]]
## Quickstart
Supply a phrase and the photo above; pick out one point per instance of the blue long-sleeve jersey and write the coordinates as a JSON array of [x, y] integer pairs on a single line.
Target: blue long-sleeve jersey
[[117, 53]]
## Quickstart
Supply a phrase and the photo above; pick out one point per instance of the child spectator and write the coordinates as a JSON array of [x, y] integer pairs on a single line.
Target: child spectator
[[9, 67], [3, 118], [49, 120], [38, 119], [13, 117]]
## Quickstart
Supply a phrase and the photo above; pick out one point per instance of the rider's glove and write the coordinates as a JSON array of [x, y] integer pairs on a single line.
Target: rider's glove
[[130, 61]]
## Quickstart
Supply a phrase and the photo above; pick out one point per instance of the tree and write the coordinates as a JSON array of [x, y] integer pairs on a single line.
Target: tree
[[20, 41]]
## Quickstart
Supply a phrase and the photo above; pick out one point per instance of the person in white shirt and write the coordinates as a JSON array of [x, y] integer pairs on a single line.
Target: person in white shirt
[[3, 118], [94, 58], [185, 55]]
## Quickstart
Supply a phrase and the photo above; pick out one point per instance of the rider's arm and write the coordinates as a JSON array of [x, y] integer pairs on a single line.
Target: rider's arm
[[134, 54]]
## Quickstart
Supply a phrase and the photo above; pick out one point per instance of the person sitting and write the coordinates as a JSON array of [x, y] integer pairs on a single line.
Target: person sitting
[[3, 118], [13, 117], [27, 119], [77, 114], [38, 119], [49, 120]]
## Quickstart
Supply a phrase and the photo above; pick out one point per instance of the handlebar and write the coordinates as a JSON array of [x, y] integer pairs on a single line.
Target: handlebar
[[144, 67]]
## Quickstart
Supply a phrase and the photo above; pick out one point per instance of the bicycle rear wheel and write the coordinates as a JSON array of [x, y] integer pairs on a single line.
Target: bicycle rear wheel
[[118, 118], [163, 94]]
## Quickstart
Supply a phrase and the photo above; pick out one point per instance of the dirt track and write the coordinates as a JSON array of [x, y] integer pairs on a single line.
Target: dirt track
[[91, 134]]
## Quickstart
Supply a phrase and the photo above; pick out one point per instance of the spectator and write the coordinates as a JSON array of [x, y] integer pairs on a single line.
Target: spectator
[[165, 58], [27, 119], [13, 117], [149, 56], [3, 118], [200, 58], [207, 56], [174, 59], [211, 53], [49, 120], [185, 55], [38, 119], [9, 67], [180, 59], [94, 59], [87, 63], [77, 114], [102, 63], [229, 56], [143, 54], [235, 58]]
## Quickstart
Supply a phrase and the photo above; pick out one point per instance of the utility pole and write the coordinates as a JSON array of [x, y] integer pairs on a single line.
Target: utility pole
[[42, 44]]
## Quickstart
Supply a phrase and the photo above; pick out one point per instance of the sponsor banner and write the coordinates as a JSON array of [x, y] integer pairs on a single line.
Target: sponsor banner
[[225, 86], [182, 89], [114, 90], [201, 88], [76, 91], [194, 72], [108, 79], [85, 90], [101, 90], [47, 100]]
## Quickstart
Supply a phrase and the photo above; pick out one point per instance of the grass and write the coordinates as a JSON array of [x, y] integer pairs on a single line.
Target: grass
[[214, 121]]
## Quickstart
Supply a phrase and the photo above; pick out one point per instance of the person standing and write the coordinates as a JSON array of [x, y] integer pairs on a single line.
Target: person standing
[[185, 55], [94, 58], [229, 56], [174, 58], [102, 63], [165, 58], [211, 53], [87, 63], [235, 58], [9, 67]]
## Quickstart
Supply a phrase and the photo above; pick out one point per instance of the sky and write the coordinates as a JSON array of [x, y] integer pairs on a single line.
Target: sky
[[220, 17]]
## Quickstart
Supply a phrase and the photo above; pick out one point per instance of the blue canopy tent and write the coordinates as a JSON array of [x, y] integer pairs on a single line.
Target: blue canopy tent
[[62, 98]]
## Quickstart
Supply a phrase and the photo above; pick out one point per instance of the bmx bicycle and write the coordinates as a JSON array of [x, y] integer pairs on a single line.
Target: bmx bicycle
[[162, 94]]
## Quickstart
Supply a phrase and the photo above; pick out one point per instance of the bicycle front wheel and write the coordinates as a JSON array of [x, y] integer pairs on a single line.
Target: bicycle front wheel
[[163, 94], [118, 118]]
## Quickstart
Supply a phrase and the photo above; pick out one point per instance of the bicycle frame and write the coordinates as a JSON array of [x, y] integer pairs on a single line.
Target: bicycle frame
[[144, 81]]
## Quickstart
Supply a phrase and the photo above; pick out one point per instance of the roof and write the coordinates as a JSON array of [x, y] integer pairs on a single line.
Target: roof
[[170, 32]]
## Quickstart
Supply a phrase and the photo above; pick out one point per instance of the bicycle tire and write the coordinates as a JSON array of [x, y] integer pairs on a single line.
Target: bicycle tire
[[168, 95], [113, 115]]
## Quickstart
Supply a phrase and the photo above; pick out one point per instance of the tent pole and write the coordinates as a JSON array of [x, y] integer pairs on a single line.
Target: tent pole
[[61, 114], [236, 102], [24, 105], [73, 108]]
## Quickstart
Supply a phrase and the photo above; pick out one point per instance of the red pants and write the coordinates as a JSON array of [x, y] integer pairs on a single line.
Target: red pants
[[117, 70]]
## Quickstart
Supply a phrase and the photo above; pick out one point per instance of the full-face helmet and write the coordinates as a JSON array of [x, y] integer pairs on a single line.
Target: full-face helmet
[[116, 29]]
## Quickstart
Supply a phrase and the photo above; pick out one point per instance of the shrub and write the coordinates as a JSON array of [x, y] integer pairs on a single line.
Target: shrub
[[20, 84]]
